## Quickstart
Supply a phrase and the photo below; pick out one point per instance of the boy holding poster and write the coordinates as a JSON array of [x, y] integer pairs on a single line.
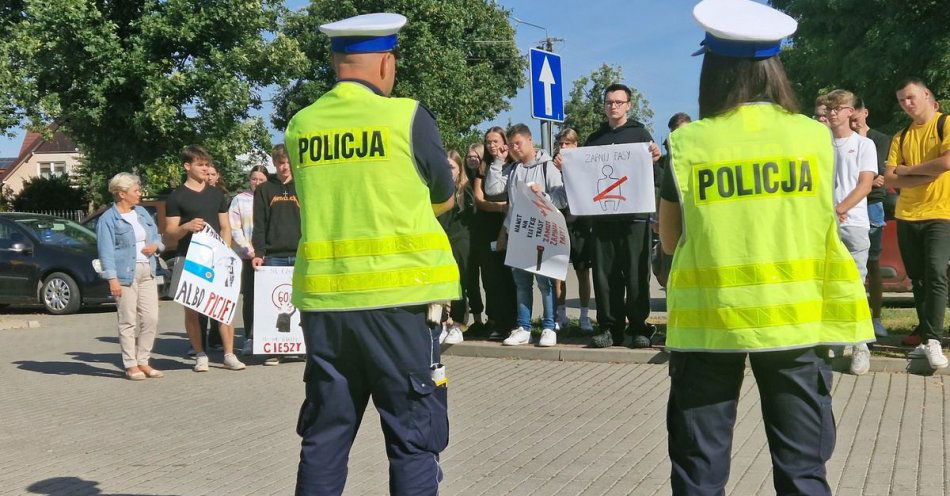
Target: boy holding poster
[[188, 209], [534, 168]]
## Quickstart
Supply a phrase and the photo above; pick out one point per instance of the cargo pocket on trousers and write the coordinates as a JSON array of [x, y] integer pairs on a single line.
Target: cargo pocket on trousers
[[828, 435], [679, 415], [429, 414], [308, 413]]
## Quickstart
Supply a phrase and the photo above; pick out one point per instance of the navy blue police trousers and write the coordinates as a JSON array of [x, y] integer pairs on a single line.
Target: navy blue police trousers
[[795, 391], [385, 354]]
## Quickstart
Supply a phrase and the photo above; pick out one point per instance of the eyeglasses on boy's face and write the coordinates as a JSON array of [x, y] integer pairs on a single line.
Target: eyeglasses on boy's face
[[838, 109]]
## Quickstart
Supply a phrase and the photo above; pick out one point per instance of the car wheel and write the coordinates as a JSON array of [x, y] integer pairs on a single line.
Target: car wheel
[[60, 294]]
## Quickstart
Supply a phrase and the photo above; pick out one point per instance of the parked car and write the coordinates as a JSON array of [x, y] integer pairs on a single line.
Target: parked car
[[166, 259], [48, 260]]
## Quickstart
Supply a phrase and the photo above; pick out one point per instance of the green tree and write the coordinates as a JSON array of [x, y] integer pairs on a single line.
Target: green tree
[[584, 110], [133, 81], [49, 193], [457, 57], [868, 46]]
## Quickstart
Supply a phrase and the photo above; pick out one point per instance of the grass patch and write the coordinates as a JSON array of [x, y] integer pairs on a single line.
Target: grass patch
[[903, 320]]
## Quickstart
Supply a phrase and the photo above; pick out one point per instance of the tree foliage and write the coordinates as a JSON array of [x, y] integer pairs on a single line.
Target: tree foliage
[[584, 110], [868, 46], [133, 81], [49, 193], [457, 57]]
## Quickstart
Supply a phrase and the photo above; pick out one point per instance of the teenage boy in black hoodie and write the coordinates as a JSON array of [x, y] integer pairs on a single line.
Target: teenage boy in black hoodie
[[276, 220], [620, 243]]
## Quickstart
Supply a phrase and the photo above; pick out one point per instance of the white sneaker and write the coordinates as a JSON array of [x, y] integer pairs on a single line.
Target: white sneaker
[[517, 337], [879, 329], [935, 355], [860, 360], [548, 338], [454, 336], [919, 352], [586, 325], [444, 334], [231, 362], [248, 349], [201, 363]]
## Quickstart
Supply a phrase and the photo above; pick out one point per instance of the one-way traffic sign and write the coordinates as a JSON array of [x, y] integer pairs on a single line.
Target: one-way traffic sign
[[547, 95]]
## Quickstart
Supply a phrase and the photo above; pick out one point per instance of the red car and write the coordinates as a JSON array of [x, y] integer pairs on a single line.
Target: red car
[[893, 276]]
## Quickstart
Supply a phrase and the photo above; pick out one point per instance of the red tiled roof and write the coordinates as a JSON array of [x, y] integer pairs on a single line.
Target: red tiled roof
[[34, 143]]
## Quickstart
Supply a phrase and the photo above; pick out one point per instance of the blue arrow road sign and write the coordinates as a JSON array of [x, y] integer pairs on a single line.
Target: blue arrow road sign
[[547, 96]]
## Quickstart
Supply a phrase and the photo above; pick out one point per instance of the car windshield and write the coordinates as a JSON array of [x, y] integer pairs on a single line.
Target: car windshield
[[58, 231]]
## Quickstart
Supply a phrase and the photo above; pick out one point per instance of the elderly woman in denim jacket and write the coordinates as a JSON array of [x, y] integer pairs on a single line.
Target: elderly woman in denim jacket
[[129, 245]]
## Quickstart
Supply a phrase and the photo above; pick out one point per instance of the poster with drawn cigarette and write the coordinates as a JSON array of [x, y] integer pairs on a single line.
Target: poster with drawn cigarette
[[276, 321], [609, 179], [209, 280], [537, 236]]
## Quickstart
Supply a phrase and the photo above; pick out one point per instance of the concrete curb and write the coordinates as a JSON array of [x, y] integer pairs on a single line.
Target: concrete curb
[[616, 354], [18, 324]]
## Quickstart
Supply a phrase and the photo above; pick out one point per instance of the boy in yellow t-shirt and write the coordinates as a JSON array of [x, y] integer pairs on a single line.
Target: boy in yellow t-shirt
[[918, 164]]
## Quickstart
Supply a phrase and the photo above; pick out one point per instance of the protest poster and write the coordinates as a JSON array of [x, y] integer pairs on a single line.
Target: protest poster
[[609, 179], [276, 321], [209, 279], [537, 236]]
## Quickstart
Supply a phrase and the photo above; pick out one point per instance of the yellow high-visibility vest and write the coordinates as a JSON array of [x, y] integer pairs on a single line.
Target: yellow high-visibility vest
[[759, 266], [369, 238]]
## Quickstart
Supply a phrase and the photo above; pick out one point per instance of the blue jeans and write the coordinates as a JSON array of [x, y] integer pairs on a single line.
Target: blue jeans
[[280, 261], [524, 291]]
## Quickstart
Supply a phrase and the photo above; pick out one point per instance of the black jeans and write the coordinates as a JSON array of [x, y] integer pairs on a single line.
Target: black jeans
[[461, 250], [925, 250], [247, 295], [621, 267], [795, 391]]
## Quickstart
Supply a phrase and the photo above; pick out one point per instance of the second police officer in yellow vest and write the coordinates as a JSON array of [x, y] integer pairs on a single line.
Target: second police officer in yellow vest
[[371, 177], [758, 271]]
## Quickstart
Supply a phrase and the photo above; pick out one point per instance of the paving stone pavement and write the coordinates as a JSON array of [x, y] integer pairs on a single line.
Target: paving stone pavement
[[72, 426]]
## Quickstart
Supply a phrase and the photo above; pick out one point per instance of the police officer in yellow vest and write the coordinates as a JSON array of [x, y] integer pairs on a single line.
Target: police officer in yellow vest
[[371, 177], [758, 269]]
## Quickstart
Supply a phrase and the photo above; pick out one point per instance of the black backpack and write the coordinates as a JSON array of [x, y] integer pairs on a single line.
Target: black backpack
[[941, 121]]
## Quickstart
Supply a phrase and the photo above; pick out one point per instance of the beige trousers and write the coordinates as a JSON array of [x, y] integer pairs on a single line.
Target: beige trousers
[[138, 317]]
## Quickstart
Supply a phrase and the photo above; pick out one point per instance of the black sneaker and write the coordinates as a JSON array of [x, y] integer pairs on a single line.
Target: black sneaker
[[602, 340], [639, 341]]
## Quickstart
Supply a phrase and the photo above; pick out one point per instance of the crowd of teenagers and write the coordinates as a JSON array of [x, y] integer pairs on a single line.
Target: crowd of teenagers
[[867, 164], [262, 225], [614, 254]]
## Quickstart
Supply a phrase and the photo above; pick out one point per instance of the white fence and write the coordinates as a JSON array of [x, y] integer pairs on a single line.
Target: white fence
[[73, 215]]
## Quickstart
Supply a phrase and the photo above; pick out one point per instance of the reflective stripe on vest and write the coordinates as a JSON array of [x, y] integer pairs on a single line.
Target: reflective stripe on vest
[[394, 279], [759, 265], [369, 238], [764, 273], [321, 250]]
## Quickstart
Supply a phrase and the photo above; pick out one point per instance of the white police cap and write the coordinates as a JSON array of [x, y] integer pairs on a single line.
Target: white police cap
[[742, 28], [367, 33]]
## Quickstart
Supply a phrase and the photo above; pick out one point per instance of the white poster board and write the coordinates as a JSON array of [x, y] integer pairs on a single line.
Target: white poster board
[[538, 241], [277, 328], [210, 277], [609, 179]]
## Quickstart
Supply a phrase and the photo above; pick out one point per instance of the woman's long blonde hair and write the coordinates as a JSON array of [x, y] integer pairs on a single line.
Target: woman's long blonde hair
[[461, 182]]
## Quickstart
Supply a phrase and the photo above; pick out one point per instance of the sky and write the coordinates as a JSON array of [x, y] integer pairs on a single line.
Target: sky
[[651, 40]]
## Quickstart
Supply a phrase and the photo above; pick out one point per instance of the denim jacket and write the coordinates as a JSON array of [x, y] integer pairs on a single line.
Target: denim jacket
[[116, 240]]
